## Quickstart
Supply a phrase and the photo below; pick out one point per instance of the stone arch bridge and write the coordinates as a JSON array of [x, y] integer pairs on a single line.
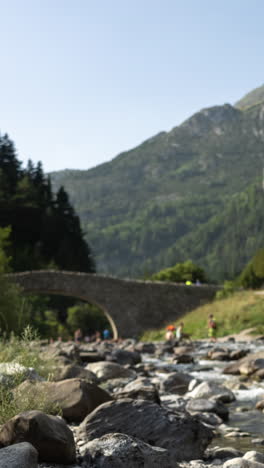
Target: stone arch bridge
[[131, 306]]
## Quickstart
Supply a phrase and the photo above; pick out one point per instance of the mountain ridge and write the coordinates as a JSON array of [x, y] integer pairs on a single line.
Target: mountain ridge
[[139, 209]]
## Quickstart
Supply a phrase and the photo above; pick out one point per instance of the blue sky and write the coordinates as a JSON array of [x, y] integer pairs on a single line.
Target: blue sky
[[83, 80]]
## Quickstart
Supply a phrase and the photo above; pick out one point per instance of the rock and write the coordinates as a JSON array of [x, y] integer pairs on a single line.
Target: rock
[[50, 436], [110, 370], [22, 455], [212, 390], [236, 434], [176, 382], [220, 356], [254, 456], [75, 397], [141, 389], [242, 463], [173, 402], [258, 441], [251, 366], [238, 354], [115, 450], [71, 371], [259, 374], [9, 371], [260, 405], [235, 385], [184, 436], [183, 359], [67, 350], [148, 348], [90, 356], [225, 452], [124, 357], [209, 418], [209, 406], [232, 369], [182, 350], [247, 365]]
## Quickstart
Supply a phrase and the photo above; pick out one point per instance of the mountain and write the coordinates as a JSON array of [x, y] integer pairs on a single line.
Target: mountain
[[254, 97], [190, 193]]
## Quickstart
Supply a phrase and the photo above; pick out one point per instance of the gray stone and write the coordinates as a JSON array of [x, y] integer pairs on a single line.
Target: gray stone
[[148, 348], [225, 452], [242, 463], [141, 389], [117, 450], [176, 382], [72, 371], [252, 455], [50, 436], [212, 390], [124, 357], [209, 406], [110, 370], [22, 455], [75, 397], [184, 436]]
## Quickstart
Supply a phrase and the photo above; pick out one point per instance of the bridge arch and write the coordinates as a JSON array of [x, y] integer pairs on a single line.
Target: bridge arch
[[131, 306]]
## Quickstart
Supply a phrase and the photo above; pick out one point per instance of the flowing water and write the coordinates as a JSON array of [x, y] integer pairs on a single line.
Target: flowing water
[[242, 412]]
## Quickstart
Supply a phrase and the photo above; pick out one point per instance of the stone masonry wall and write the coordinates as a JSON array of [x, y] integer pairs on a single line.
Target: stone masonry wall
[[131, 306]]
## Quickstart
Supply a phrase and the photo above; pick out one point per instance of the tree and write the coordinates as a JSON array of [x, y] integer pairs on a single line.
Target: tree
[[11, 318], [253, 274], [45, 230], [181, 272]]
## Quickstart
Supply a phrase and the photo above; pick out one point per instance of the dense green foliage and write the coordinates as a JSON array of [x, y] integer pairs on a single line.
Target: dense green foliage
[[253, 274], [87, 317], [192, 193], [11, 317], [24, 351], [45, 231], [180, 273]]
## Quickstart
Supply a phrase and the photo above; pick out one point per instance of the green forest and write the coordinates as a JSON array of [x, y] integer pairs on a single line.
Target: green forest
[[39, 230], [194, 193]]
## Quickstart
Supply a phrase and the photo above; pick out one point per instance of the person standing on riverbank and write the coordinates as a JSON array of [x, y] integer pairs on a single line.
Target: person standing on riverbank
[[211, 325]]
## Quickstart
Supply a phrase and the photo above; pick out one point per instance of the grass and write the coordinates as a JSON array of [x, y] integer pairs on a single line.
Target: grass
[[233, 314], [25, 351]]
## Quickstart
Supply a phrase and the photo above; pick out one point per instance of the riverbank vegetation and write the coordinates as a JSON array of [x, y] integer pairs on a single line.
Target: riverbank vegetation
[[237, 312]]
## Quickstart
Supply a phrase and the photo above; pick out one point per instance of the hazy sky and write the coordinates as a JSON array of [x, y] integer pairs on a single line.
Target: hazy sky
[[83, 80]]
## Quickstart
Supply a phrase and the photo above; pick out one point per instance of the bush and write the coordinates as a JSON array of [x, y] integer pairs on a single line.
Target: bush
[[26, 352], [180, 273]]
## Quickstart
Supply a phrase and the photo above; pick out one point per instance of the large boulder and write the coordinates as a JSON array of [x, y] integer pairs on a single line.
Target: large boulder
[[176, 382], [122, 451], [75, 397], [142, 347], [123, 357], [249, 365], [181, 434], [22, 455], [72, 371], [212, 390], [201, 405], [70, 351], [141, 389], [242, 463], [105, 370], [50, 436]]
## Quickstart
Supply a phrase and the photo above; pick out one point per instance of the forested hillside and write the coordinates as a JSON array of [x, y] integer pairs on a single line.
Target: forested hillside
[[192, 193], [45, 230]]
